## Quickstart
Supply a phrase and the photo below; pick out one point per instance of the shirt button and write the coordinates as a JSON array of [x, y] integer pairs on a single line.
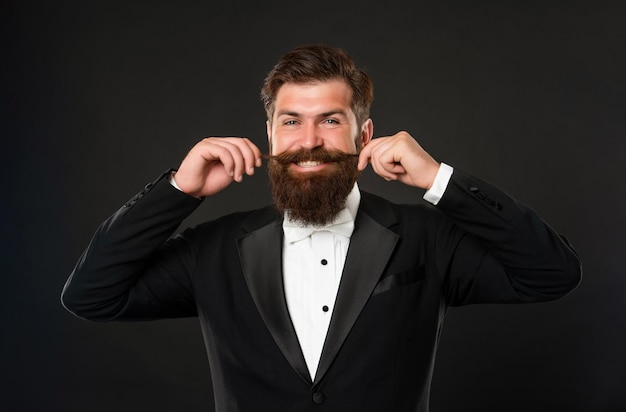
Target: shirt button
[[324, 262], [318, 398], [325, 308]]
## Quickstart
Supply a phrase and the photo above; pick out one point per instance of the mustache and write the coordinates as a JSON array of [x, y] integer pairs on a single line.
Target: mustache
[[315, 155]]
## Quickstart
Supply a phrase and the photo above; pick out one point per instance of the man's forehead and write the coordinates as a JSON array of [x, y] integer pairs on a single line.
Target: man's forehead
[[323, 96], [332, 84]]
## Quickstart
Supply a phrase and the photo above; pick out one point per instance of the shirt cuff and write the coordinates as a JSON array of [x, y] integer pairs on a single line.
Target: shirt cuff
[[173, 182], [436, 191]]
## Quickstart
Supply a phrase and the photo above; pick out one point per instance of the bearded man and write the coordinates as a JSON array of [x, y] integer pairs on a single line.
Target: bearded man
[[332, 299]]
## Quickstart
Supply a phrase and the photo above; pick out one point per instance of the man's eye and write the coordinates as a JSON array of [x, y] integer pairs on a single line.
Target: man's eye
[[331, 121], [290, 122]]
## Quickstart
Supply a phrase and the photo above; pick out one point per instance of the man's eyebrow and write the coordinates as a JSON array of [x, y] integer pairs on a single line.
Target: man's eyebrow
[[287, 113], [340, 112], [336, 112]]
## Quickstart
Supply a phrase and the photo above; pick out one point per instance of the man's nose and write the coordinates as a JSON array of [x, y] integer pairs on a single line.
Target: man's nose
[[310, 138]]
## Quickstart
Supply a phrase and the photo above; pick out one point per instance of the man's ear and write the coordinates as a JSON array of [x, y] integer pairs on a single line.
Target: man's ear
[[367, 132]]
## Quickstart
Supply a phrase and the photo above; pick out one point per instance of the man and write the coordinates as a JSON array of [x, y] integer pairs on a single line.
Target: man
[[333, 299]]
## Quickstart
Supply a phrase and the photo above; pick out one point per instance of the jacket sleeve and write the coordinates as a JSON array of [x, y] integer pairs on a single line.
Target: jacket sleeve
[[131, 269], [498, 250]]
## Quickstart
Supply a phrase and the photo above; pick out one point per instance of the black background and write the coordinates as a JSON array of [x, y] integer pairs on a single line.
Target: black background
[[98, 98]]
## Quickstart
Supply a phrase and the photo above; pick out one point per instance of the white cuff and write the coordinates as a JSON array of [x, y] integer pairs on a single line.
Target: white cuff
[[173, 182], [436, 191]]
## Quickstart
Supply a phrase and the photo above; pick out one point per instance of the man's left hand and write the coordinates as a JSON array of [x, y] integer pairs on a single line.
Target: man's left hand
[[400, 157]]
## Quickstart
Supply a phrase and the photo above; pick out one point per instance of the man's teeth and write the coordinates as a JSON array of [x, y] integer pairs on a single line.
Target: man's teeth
[[309, 163]]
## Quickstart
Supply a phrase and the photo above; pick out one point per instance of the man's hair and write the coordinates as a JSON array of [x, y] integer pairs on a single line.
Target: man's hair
[[317, 63]]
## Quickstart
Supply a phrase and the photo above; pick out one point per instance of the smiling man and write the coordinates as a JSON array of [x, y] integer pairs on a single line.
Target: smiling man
[[332, 299]]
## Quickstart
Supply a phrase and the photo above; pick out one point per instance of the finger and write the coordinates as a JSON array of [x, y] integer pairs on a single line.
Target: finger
[[258, 155], [364, 157], [397, 169], [369, 151], [379, 168], [232, 157], [208, 152], [382, 160], [383, 170], [251, 154], [363, 162]]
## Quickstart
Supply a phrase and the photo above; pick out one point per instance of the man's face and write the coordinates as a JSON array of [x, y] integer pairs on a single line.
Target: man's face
[[315, 115], [314, 140]]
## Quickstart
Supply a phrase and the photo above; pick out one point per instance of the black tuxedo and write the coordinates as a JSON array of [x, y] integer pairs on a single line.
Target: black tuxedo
[[406, 265]]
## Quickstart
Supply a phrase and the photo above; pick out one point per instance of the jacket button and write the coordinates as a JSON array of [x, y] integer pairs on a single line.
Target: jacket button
[[318, 398]]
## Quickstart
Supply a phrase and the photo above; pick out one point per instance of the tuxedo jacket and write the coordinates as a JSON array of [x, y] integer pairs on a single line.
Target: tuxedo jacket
[[405, 266]]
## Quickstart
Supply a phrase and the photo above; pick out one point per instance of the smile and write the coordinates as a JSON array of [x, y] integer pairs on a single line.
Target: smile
[[309, 163]]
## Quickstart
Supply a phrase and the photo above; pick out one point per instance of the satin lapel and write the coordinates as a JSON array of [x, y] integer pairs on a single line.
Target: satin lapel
[[371, 246], [260, 252]]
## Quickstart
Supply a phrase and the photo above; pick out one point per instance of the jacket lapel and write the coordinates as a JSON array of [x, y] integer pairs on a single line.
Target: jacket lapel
[[260, 253], [371, 246]]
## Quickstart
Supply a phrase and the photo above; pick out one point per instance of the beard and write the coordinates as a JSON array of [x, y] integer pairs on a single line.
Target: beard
[[312, 198]]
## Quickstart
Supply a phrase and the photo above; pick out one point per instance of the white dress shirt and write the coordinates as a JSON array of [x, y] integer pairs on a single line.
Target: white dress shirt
[[312, 267]]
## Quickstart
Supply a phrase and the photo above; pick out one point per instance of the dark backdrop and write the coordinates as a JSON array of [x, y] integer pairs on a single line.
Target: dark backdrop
[[99, 97]]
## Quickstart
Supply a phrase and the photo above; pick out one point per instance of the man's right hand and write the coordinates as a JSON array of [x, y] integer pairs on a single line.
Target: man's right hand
[[214, 163]]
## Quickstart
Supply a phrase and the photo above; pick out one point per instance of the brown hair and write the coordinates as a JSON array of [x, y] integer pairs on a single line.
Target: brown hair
[[317, 62]]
